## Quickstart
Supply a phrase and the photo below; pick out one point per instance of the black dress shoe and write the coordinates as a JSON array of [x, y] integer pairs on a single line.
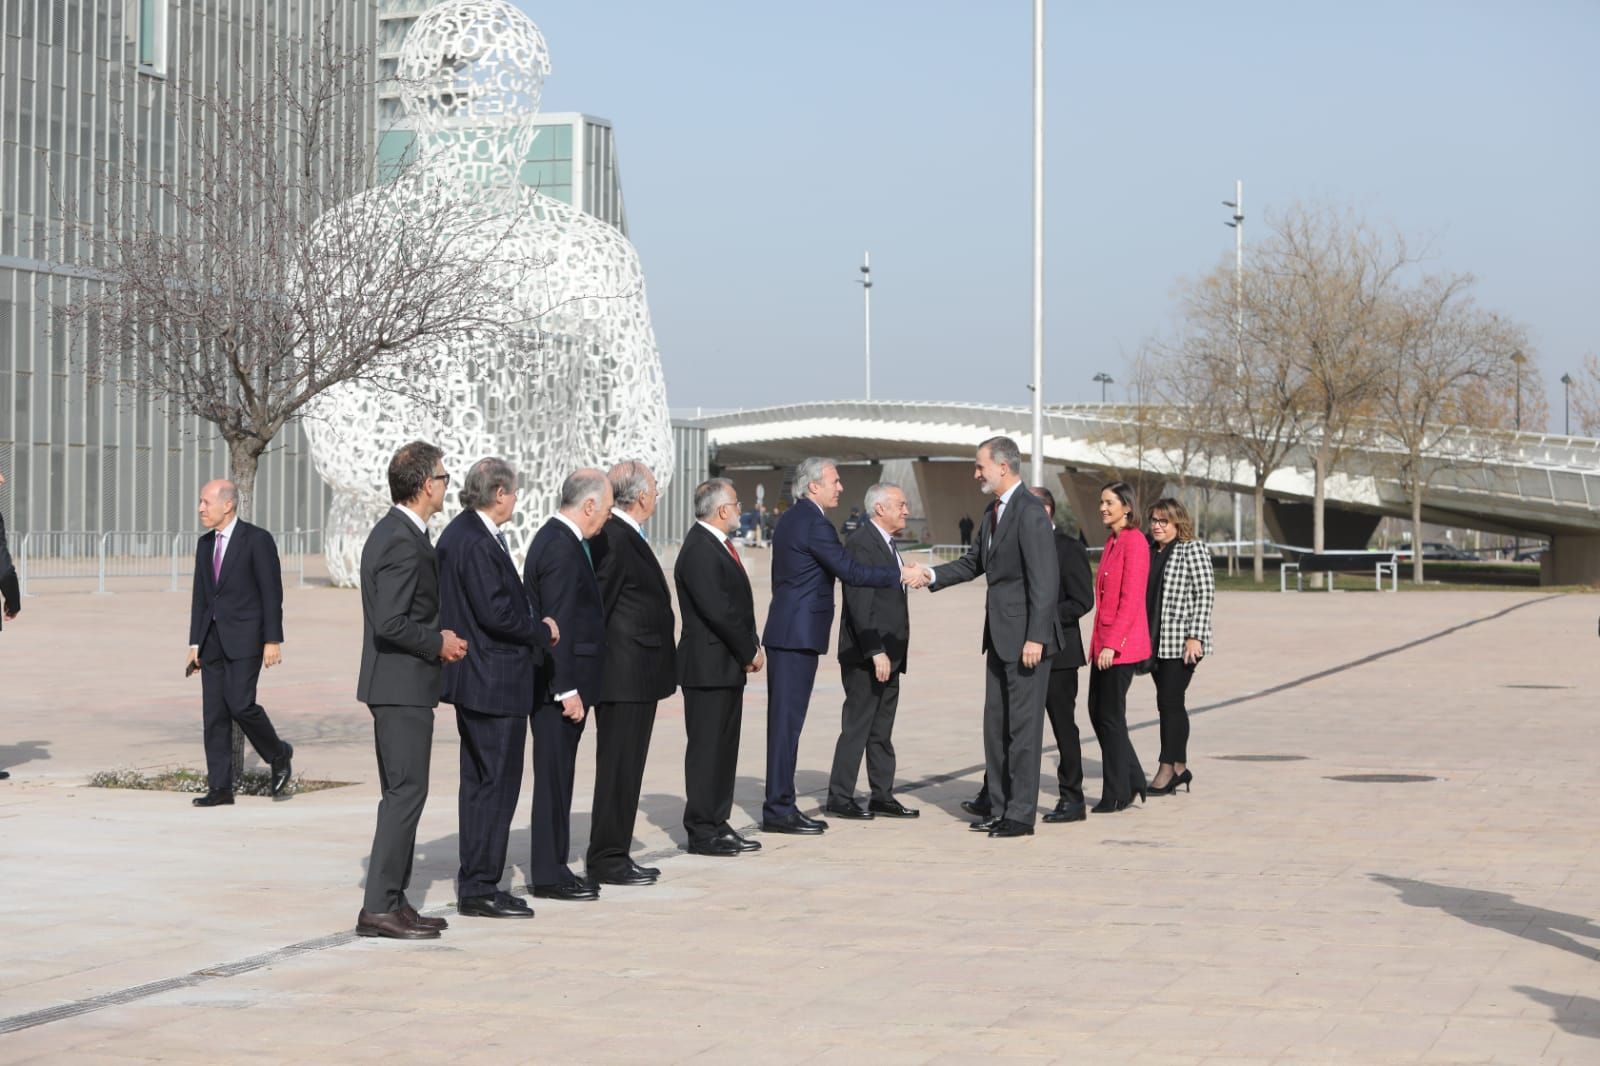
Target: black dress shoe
[[624, 876], [571, 891], [892, 809], [648, 871], [420, 920], [490, 907], [282, 769], [808, 820], [507, 899], [715, 846], [794, 824], [1067, 812], [5, 775], [850, 810], [743, 843], [392, 925], [214, 799], [1008, 828], [986, 824], [974, 807]]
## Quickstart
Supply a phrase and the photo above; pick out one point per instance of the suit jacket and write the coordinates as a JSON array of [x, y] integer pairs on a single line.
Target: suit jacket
[[1024, 576], [561, 585], [481, 599], [1188, 593], [10, 589], [874, 621], [400, 632], [1076, 599], [1120, 621], [806, 557], [719, 614], [244, 603], [639, 661]]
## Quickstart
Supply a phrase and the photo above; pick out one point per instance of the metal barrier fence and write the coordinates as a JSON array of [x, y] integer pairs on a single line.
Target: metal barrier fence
[[54, 555]]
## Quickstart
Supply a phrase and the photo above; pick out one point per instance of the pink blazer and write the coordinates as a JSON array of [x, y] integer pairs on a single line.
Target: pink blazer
[[1119, 587]]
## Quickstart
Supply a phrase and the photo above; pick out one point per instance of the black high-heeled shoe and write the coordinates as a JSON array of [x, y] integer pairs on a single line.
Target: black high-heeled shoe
[[1182, 779], [1111, 806]]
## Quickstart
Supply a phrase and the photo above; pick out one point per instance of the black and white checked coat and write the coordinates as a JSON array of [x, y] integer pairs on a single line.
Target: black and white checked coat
[[1188, 591]]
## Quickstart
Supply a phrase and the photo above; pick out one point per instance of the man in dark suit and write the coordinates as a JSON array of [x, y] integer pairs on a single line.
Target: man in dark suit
[[1076, 599], [235, 628], [1015, 550], [874, 635], [10, 589], [718, 650], [965, 526], [403, 650], [639, 672], [559, 576], [481, 597], [806, 558]]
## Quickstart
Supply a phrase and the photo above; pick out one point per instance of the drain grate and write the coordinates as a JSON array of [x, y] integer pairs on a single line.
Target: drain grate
[[1260, 758], [1382, 779]]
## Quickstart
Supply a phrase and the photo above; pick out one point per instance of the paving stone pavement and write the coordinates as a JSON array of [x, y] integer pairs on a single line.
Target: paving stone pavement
[[1274, 915]]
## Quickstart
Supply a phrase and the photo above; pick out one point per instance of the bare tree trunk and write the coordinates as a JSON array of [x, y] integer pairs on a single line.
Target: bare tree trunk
[[243, 456], [1319, 499], [1261, 517], [1416, 530]]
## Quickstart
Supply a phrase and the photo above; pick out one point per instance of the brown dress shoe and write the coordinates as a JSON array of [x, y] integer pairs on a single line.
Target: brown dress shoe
[[421, 921], [392, 925]]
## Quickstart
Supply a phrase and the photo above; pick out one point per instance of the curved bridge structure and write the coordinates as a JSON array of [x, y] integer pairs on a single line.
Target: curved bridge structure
[[1498, 481]]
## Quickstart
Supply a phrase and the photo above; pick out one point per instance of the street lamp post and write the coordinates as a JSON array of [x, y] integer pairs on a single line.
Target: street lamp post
[[1237, 222], [1038, 244], [1104, 379], [1566, 402], [1517, 359], [866, 301]]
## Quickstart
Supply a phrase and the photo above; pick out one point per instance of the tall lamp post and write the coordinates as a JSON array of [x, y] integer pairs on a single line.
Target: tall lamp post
[[1038, 244], [1104, 379], [865, 282], [1566, 402], [1517, 359], [1237, 222]]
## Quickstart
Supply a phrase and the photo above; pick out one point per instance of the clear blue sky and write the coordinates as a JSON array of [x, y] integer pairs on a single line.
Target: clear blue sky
[[764, 146]]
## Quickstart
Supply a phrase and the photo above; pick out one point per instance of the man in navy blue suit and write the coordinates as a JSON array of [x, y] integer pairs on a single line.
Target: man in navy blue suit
[[561, 584], [482, 599], [806, 558], [235, 628]]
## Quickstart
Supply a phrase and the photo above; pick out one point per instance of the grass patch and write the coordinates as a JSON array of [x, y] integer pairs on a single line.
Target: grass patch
[[183, 779]]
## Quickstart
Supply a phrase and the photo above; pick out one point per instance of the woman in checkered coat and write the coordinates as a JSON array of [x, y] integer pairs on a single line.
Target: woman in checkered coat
[[1180, 594]]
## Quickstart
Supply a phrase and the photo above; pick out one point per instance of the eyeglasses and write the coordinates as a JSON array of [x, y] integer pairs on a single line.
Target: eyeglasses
[[1160, 521], [440, 477]]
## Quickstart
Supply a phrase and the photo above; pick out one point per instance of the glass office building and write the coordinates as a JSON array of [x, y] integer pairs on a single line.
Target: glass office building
[[81, 83]]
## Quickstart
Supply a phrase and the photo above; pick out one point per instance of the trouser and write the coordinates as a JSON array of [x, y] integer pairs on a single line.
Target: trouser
[[1013, 735], [1108, 712], [790, 677], [492, 746], [622, 742], [555, 759], [1172, 677], [866, 727], [228, 695], [404, 740], [1060, 703], [711, 718]]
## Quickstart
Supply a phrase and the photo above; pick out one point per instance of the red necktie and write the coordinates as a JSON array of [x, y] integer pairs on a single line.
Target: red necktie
[[735, 553]]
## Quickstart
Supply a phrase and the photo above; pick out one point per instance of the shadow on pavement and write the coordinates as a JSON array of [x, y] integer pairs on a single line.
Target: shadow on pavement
[[24, 751], [1578, 1015], [1499, 911]]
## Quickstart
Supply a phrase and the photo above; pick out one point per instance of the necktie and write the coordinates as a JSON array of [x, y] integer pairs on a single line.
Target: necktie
[[587, 554], [216, 558], [501, 537], [735, 553]]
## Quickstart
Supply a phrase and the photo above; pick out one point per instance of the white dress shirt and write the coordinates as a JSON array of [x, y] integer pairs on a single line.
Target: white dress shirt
[[628, 518], [416, 519]]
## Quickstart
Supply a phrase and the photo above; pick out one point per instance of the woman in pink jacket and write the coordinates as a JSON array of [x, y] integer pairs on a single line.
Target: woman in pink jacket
[[1121, 641]]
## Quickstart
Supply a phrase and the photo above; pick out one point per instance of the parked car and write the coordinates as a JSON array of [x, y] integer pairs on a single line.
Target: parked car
[[1531, 555], [1435, 551]]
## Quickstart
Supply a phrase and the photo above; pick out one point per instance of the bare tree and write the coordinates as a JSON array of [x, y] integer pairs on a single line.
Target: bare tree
[[266, 266], [1587, 400], [1441, 350], [1322, 279]]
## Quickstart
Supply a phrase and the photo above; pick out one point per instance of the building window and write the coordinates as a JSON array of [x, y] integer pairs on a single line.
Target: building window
[[153, 36]]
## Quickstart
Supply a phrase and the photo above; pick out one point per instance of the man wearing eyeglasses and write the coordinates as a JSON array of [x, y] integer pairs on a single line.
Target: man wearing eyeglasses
[[403, 650]]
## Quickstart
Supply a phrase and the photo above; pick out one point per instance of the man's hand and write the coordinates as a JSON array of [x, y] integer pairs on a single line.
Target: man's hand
[[271, 654], [914, 577], [1032, 652], [572, 708], [755, 665], [193, 663], [880, 667], [1105, 658], [12, 610], [1193, 650], [454, 649], [555, 630]]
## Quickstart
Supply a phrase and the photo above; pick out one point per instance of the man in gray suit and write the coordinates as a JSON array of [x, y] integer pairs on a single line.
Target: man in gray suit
[[1014, 547], [402, 652]]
